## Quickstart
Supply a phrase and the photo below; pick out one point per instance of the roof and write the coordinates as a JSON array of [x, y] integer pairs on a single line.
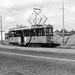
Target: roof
[[32, 27], [41, 26], [19, 28]]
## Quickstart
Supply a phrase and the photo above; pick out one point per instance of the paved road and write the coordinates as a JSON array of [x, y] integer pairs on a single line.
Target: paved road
[[59, 50], [49, 53], [25, 65], [43, 61]]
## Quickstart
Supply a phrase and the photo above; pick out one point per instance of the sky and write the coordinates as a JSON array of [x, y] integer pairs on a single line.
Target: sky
[[17, 12]]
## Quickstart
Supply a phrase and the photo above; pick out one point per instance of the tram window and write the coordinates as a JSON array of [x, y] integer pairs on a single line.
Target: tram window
[[25, 33], [47, 31], [11, 34], [40, 32], [50, 31], [36, 32], [19, 33], [15, 34], [33, 32], [29, 33]]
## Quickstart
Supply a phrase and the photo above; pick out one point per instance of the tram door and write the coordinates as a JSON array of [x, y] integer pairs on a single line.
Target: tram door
[[22, 38]]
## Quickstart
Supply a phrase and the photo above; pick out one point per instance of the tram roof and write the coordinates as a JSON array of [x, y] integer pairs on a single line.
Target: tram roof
[[16, 29], [32, 27], [41, 26]]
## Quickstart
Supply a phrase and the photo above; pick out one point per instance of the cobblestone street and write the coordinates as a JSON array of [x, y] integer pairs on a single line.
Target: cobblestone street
[[32, 66]]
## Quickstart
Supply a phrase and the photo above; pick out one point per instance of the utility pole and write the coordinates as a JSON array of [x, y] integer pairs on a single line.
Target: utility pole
[[1, 29], [63, 19]]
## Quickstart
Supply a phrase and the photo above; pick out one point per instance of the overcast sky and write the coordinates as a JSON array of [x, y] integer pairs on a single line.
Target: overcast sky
[[18, 12]]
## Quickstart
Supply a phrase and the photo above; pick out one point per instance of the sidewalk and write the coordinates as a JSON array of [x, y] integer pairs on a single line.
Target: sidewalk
[[66, 47]]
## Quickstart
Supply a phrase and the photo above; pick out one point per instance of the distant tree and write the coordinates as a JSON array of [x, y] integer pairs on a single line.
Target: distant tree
[[72, 31], [57, 30], [65, 31]]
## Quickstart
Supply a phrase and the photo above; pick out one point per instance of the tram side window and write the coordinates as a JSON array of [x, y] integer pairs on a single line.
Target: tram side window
[[40, 32], [50, 31], [33, 32], [25, 33], [18, 34], [30, 32], [47, 31], [15, 34]]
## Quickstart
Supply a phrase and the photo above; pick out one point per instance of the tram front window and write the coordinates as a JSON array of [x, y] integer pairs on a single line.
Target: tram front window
[[11, 34], [15, 34], [48, 31]]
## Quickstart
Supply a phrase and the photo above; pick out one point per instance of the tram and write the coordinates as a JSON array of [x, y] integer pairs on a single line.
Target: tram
[[36, 35], [39, 34]]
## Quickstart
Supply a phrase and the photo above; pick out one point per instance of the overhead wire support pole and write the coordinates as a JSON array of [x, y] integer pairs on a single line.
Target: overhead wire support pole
[[1, 30], [63, 19]]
